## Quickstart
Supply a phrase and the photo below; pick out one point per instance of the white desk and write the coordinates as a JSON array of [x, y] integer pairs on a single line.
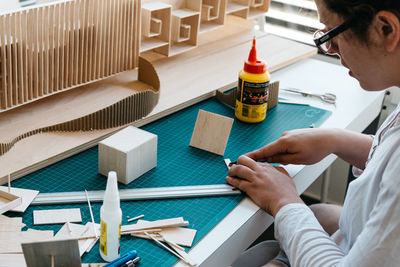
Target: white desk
[[355, 110]]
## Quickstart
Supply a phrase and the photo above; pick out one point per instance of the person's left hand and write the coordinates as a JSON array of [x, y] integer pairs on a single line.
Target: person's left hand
[[268, 187]]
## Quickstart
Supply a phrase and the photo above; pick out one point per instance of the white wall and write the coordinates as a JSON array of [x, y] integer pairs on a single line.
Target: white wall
[[337, 183], [6, 5]]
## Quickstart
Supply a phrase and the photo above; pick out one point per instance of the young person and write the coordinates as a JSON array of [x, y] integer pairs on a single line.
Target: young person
[[366, 231]]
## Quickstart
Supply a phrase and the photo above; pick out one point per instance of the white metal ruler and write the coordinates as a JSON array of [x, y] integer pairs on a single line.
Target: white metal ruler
[[138, 194]]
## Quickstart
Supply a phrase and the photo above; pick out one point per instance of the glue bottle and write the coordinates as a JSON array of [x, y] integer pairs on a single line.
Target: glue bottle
[[110, 220], [252, 91]]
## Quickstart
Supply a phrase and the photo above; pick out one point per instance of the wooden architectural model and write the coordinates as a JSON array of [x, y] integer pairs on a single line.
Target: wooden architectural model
[[75, 71], [55, 47]]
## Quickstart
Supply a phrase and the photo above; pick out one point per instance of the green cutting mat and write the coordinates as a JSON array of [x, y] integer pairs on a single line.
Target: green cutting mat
[[178, 164]]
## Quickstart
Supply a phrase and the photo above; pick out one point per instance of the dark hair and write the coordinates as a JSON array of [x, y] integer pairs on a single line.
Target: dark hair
[[361, 12]]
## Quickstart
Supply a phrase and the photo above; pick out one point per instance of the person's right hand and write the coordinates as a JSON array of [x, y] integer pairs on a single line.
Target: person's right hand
[[302, 146]]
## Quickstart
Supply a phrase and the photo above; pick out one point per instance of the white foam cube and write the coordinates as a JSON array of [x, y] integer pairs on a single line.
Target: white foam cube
[[130, 152]]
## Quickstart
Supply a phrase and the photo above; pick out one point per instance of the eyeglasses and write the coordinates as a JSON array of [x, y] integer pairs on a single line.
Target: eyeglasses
[[322, 39]]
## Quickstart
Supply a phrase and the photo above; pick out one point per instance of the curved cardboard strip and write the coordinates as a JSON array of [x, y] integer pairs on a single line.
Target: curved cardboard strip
[[85, 114]]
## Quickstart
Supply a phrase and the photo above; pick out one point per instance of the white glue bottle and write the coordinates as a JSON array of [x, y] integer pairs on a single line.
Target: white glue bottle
[[110, 220]]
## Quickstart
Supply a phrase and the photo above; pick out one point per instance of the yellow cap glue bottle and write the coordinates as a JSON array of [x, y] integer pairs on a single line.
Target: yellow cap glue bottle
[[110, 220], [252, 94]]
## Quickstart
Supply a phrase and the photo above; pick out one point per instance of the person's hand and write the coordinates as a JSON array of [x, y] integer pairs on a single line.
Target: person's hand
[[302, 146], [267, 186]]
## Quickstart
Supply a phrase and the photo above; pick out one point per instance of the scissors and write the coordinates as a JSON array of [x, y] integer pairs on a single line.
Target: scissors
[[327, 97]]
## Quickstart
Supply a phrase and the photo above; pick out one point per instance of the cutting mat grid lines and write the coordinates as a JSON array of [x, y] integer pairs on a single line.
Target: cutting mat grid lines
[[177, 164]]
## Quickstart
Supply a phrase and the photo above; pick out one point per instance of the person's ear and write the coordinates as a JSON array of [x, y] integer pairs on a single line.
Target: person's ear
[[388, 26]]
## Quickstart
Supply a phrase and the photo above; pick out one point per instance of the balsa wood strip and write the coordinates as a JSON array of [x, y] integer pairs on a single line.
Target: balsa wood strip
[[25, 58], [89, 37], [46, 47], [52, 47], [40, 52], [68, 46], [114, 33], [13, 61], [120, 33], [103, 38], [122, 55], [35, 74], [9, 62], [3, 59], [85, 42], [100, 39], [17, 56], [107, 39], [97, 40], [112, 40], [94, 39], [130, 42], [77, 30], [63, 50], [21, 69], [29, 54], [82, 31], [136, 27], [57, 47], [72, 44]]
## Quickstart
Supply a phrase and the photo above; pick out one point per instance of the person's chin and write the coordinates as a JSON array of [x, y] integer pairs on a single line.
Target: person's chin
[[370, 87]]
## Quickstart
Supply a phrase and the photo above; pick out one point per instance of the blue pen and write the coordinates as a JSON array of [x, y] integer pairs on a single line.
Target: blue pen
[[123, 259]]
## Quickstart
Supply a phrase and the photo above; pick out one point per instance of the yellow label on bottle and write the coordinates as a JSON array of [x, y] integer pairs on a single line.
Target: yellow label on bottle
[[250, 113], [119, 230], [252, 97], [103, 237]]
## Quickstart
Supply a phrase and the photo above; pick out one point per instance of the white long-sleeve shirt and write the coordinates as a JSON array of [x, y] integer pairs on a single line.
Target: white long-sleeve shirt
[[369, 226]]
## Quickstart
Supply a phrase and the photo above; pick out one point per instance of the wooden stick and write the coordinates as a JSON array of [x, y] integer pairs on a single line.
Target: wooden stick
[[135, 218], [171, 243], [85, 229], [172, 222], [92, 245], [86, 237], [155, 230], [167, 248], [91, 214], [69, 227]]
